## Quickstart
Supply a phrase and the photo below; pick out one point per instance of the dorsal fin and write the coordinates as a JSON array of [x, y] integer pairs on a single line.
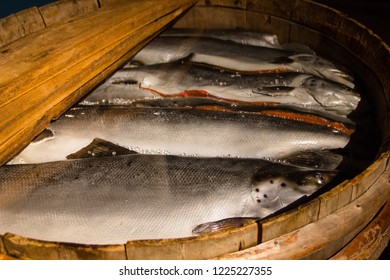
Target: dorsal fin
[[222, 225], [100, 148], [43, 136]]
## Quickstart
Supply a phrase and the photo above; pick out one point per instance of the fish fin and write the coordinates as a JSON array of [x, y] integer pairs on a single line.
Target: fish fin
[[100, 148], [324, 159], [43, 136], [222, 225]]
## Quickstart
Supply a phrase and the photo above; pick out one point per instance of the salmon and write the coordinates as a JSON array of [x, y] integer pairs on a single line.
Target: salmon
[[186, 132], [113, 199]]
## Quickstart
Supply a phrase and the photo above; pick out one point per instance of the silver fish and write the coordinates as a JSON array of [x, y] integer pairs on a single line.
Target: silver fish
[[115, 199], [293, 88], [190, 132], [218, 104], [117, 94], [245, 37], [238, 57]]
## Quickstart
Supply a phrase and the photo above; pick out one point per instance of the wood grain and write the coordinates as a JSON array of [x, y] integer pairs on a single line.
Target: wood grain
[[24, 248], [65, 10], [371, 241], [39, 71]]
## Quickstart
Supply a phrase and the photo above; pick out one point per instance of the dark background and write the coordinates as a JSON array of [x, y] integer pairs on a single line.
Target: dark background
[[372, 13], [375, 14], [8, 7]]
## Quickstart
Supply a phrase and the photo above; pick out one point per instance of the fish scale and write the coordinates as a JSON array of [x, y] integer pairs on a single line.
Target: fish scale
[[293, 88], [231, 55], [115, 199], [190, 132]]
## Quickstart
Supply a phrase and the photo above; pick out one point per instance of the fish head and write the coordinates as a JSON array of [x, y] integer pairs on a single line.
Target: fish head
[[273, 189], [331, 95], [318, 66]]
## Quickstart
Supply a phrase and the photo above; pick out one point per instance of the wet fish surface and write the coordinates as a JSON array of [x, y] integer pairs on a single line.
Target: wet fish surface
[[239, 57], [292, 88], [205, 133], [112, 200]]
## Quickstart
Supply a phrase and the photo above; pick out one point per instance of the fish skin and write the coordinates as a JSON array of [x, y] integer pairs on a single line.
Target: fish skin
[[245, 37], [293, 88], [325, 159], [232, 55], [204, 102], [115, 199], [116, 94], [189, 132]]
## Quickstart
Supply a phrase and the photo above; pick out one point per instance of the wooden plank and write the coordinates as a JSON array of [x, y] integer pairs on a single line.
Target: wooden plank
[[187, 21], [200, 247], [67, 10], [371, 241], [47, 95], [31, 20], [19, 65], [25, 248], [282, 9], [11, 29], [2, 247], [20, 24], [323, 238], [108, 4], [6, 257], [364, 180], [25, 119], [268, 23], [224, 3], [219, 18], [287, 222], [348, 191], [329, 201], [328, 22], [204, 17]]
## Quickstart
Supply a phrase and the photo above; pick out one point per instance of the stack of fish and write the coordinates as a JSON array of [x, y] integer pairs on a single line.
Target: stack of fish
[[193, 135]]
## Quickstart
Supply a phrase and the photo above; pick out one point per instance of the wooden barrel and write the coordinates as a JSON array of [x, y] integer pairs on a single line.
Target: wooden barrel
[[351, 221]]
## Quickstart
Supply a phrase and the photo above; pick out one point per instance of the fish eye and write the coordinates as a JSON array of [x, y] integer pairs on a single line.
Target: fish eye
[[283, 185]]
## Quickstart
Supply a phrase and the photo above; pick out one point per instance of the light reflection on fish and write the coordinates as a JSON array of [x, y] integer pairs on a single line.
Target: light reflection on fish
[[115, 199], [308, 91], [206, 133], [238, 57]]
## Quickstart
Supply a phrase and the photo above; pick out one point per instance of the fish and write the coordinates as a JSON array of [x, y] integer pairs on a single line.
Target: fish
[[323, 159], [114, 199], [186, 132], [117, 94], [246, 37], [195, 102], [240, 58], [292, 88]]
